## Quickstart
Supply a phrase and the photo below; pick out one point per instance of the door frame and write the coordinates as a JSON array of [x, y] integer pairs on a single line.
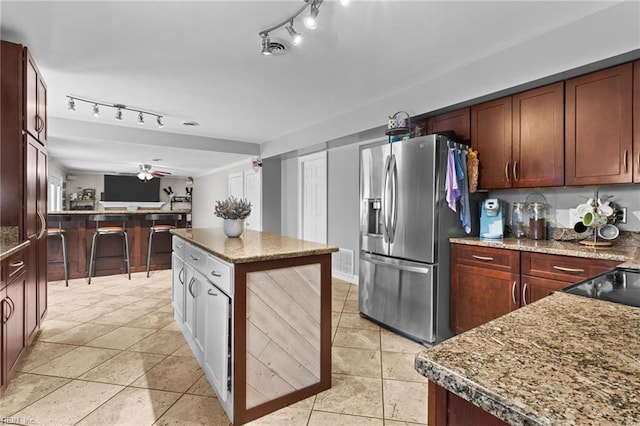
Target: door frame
[[301, 160]]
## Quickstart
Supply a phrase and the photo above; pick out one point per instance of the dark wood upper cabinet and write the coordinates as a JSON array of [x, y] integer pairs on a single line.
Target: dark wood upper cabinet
[[35, 100], [599, 127], [458, 121], [636, 122], [538, 137], [491, 136]]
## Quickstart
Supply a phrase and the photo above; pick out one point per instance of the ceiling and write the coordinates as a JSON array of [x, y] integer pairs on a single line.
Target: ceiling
[[201, 61]]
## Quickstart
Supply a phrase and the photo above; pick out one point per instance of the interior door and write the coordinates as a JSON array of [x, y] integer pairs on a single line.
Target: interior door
[[313, 197], [413, 217], [253, 193], [399, 294], [236, 185]]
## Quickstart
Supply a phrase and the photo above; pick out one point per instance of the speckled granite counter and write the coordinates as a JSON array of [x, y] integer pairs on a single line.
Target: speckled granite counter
[[628, 254], [251, 246], [564, 360], [119, 211], [9, 241]]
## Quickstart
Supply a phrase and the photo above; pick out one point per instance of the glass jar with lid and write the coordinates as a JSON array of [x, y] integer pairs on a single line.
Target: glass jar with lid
[[537, 221], [519, 220]]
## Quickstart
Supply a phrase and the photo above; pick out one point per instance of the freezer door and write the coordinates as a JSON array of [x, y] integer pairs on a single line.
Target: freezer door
[[399, 294], [374, 161], [414, 213]]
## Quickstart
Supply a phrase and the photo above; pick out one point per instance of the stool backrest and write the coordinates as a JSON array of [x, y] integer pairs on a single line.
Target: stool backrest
[[97, 218], [59, 218], [164, 217]]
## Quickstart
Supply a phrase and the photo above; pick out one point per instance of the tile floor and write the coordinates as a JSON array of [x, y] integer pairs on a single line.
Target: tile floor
[[110, 353]]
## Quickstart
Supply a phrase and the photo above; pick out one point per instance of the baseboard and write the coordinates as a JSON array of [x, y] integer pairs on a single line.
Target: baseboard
[[353, 279]]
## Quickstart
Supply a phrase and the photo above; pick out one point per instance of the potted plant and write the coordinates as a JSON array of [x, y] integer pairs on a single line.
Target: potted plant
[[234, 211]]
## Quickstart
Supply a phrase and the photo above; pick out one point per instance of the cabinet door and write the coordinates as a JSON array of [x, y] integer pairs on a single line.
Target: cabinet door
[[217, 343], [199, 290], [636, 122], [189, 301], [534, 288], [598, 128], [35, 101], [563, 268], [41, 264], [458, 121], [41, 120], [538, 137], [5, 309], [479, 295], [178, 287], [14, 324], [491, 136]]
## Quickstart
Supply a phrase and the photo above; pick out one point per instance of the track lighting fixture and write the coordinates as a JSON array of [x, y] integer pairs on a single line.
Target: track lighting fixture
[[310, 21], [344, 3], [71, 105]]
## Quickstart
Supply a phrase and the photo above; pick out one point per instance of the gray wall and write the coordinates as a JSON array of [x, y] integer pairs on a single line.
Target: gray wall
[[271, 195], [289, 191]]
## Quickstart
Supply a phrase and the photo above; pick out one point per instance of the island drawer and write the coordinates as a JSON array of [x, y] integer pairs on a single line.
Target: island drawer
[[196, 258], [219, 273], [563, 268], [178, 246]]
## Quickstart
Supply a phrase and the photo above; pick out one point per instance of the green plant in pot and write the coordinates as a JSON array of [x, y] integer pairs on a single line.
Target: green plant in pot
[[234, 211]]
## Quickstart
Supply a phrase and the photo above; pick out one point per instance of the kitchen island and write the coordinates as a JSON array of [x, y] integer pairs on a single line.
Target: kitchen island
[[256, 312], [565, 360], [79, 231]]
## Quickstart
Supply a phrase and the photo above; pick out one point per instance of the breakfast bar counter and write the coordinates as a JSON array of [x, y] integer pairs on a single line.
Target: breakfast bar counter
[[263, 302], [564, 360]]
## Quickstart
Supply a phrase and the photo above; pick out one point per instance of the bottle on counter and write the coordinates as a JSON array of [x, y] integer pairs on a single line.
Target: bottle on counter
[[518, 220], [538, 221]]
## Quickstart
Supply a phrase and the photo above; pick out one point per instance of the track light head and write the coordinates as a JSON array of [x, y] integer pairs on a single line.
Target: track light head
[[344, 3], [311, 20], [160, 123], [71, 105], [140, 118], [96, 110], [119, 114], [266, 45], [296, 37]]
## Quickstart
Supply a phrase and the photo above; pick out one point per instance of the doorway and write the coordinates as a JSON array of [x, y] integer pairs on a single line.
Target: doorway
[[312, 197]]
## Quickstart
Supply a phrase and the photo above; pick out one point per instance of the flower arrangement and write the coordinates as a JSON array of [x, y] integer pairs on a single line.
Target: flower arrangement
[[233, 208]]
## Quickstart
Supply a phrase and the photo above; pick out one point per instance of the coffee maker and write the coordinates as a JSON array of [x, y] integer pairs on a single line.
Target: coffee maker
[[492, 219]]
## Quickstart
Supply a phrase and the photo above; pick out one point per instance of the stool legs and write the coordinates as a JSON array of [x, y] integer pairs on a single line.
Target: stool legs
[[64, 258], [149, 252], [126, 253], [92, 257]]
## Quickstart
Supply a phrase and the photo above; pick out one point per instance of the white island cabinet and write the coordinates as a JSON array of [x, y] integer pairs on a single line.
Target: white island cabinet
[[256, 313]]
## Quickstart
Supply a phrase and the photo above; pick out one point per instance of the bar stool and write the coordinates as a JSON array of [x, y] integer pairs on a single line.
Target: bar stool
[[59, 232], [162, 217], [109, 230]]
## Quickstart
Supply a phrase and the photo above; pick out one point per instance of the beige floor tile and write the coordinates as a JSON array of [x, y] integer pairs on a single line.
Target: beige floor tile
[[89, 298], [42, 352], [161, 293], [61, 310], [405, 401], [172, 326], [80, 334], [202, 388], [25, 389], [119, 317], [305, 403], [337, 304], [360, 396], [392, 342], [154, 320], [120, 338], [147, 305], [356, 321], [166, 308], [322, 418], [124, 368], [360, 339], [68, 404], [160, 342], [76, 362], [192, 410], [335, 318], [174, 373], [400, 366], [388, 422], [351, 306], [132, 406], [289, 416], [114, 302], [356, 362], [183, 350], [51, 327]]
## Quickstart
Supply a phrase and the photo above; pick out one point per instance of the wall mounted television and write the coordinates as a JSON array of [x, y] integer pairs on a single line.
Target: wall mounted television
[[130, 188]]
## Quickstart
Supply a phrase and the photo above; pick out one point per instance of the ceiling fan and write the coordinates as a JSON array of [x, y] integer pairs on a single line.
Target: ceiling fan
[[147, 172]]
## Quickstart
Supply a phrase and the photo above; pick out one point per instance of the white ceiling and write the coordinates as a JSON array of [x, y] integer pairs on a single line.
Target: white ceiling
[[200, 61]]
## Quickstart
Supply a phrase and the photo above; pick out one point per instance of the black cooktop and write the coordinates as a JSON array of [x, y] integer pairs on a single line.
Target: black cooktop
[[620, 285]]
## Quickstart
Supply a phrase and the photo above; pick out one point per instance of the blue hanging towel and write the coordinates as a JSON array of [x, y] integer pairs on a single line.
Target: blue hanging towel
[[451, 181], [463, 184]]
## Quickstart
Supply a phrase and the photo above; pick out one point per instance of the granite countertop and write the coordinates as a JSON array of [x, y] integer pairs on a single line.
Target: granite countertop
[[251, 246], [119, 211], [628, 254], [9, 241], [565, 360]]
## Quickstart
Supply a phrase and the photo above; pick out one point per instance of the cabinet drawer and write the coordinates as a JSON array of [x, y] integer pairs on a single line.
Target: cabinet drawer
[[220, 274], [13, 266], [563, 268], [486, 257], [178, 246], [196, 258]]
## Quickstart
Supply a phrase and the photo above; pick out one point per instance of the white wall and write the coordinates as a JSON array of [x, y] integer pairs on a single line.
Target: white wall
[[289, 194]]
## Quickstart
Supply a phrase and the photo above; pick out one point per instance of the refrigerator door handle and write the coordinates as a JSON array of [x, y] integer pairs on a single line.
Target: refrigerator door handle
[[395, 264], [385, 200], [393, 169]]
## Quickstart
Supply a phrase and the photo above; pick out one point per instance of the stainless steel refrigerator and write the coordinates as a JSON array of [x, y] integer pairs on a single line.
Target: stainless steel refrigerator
[[405, 225]]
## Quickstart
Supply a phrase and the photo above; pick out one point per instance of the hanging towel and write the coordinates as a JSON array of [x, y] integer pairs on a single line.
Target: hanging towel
[[451, 181], [463, 184]]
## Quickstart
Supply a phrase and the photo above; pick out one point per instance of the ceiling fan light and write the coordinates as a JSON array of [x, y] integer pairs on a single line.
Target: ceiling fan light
[[160, 123], [96, 110], [142, 175]]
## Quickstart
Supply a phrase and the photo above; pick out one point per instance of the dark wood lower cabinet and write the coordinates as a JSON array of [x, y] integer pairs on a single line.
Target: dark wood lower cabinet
[[447, 408]]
